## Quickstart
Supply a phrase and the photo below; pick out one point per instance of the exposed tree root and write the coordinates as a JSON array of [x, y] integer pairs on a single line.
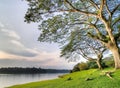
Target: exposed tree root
[[108, 74]]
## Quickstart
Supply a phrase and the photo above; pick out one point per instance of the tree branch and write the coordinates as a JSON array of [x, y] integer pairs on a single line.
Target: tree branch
[[104, 42], [108, 10], [93, 48], [82, 53], [115, 9], [117, 36], [77, 10], [94, 4], [101, 8], [116, 21], [97, 30]]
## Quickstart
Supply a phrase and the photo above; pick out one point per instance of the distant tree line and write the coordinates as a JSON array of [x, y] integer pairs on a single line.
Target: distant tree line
[[20, 70]]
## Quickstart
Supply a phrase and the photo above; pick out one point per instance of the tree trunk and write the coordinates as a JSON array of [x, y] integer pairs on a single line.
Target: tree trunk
[[112, 44], [116, 55], [98, 61]]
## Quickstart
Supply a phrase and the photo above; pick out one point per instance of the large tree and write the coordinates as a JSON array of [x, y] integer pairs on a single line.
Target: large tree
[[100, 19]]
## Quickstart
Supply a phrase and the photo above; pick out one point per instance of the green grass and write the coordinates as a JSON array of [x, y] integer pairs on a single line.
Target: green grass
[[78, 80]]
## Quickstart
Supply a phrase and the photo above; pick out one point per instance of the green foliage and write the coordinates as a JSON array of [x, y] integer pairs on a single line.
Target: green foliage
[[83, 66], [58, 18], [92, 64], [109, 61], [76, 68], [118, 26], [38, 7], [106, 62], [80, 66], [116, 19]]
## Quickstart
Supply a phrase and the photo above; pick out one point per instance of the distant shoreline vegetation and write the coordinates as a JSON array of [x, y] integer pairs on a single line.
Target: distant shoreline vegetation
[[33, 70]]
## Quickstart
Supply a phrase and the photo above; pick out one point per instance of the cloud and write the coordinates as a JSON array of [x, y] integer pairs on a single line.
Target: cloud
[[43, 59], [18, 63], [5, 62], [10, 33], [15, 42], [1, 25], [10, 42], [52, 60]]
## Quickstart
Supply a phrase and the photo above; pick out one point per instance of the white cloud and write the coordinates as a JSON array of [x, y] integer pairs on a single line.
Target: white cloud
[[10, 33], [1, 25], [51, 60], [5, 55], [10, 42], [38, 61], [18, 43]]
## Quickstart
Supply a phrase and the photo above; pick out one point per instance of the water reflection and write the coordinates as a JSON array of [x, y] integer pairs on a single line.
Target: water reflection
[[13, 79]]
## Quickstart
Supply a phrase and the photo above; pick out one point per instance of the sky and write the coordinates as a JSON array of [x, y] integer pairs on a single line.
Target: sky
[[18, 41]]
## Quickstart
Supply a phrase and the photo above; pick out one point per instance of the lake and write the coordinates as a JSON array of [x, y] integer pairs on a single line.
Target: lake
[[13, 79]]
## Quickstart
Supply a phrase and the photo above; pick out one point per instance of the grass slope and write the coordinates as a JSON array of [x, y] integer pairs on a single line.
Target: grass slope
[[78, 80]]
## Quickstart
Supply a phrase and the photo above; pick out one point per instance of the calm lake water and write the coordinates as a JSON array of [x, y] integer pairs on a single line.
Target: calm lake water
[[13, 79]]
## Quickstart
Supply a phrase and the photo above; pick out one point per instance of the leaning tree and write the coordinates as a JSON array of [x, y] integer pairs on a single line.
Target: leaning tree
[[58, 18], [81, 45]]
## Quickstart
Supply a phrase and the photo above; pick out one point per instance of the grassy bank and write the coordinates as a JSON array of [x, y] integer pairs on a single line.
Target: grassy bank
[[92, 78]]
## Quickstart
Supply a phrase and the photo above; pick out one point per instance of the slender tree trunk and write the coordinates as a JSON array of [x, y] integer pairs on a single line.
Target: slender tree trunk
[[98, 61]]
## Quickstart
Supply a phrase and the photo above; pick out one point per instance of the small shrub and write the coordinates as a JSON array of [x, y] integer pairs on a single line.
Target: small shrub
[[69, 79], [80, 66], [76, 68], [60, 76], [92, 64], [83, 66], [110, 63]]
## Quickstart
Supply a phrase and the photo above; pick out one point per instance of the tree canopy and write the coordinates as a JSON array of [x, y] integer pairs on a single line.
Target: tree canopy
[[60, 20]]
